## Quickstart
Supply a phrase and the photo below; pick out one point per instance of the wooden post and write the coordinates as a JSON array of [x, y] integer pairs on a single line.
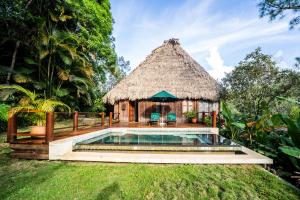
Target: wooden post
[[75, 121], [203, 117], [12, 127], [110, 118], [102, 119], [49, 127], [214, 139], [214, 122]]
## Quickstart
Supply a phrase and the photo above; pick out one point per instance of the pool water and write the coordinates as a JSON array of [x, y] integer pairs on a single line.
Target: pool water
[[146, 139], [158, 141]]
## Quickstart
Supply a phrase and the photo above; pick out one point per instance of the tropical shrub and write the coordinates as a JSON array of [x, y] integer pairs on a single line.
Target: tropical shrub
[[3, 117], [274, 135], [208, 120], [32, 101], [98, 106], [232, 126], [291, 147], [190, 114]]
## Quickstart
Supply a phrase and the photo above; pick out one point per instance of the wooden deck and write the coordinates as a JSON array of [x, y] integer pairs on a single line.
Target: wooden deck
[[37, 148], [71, 133]]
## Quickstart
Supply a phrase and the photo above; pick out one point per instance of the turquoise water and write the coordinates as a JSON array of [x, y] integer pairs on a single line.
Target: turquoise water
[[176, 139]]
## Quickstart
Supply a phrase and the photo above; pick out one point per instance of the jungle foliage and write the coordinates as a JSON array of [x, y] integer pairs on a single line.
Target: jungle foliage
[[275, 135], [255, 83], [261, 110], [62, 50]]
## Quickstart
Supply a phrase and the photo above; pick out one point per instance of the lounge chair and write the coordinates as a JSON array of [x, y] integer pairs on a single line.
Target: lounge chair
[[171, 118], [154, 118]]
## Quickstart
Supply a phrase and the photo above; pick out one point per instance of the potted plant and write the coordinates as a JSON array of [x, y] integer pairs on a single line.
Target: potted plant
[[191, 116], [32, 101]]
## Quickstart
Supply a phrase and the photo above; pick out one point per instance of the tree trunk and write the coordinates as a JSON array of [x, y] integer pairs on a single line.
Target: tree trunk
[[13, 61]]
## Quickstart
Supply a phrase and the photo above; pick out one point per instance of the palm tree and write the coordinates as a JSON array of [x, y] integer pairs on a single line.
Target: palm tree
[[32, 101]]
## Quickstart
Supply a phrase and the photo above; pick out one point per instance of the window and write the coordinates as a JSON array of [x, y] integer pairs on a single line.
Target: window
[[187, 106], [215, 107], [184, 106], [190, 105], [203, 106]]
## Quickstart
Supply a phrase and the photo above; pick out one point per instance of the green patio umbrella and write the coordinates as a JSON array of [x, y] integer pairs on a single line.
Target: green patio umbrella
[[163, 96]]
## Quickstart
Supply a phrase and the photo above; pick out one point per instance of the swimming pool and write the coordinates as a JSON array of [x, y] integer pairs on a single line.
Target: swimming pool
[[145, 140], [154, 145]]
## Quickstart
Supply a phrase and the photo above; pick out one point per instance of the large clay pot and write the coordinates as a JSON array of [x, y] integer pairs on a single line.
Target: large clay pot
[[194, 120], [38, 130]]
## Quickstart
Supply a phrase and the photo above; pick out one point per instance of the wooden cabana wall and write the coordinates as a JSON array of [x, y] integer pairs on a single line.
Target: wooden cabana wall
[[140, 111]]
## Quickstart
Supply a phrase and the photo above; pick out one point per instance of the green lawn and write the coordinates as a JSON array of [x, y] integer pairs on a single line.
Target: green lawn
[[24, 179]]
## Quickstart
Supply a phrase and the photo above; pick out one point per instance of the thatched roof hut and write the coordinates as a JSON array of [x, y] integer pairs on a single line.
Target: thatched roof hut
[[169, 67]]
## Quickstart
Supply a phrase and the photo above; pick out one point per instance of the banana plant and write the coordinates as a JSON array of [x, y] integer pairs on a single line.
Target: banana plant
[[293, 129], [291, 145], [258, 124], [231, 124]]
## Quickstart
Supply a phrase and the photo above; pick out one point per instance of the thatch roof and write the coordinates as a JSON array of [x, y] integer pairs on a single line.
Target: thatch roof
[[170, 68]]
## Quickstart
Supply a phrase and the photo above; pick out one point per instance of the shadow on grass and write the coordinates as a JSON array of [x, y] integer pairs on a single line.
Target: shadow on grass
[[110, 190], [16, 174]]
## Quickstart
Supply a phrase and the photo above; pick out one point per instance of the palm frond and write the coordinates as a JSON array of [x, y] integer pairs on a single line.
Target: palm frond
[[72, 51], [62, 92], [20, 78], [66, 59], [24, 101], [87, 83], [64, 74], [43, 54], [53, 17], [88, 70], [39, 85], [49, 105], [17, 88], [18, 109]]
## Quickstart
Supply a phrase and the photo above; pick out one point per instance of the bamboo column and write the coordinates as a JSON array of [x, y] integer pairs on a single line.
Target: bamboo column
[[49, 127]]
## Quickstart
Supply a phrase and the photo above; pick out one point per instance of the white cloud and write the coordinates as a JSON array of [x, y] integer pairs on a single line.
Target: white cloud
[[218, 69], [278, 58], [201, 29], [278, 54]]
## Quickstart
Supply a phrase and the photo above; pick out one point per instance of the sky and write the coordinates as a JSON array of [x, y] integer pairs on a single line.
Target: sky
[[218, 34]]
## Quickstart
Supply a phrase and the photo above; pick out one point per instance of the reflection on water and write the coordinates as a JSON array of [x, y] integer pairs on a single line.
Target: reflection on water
[[161, 139]]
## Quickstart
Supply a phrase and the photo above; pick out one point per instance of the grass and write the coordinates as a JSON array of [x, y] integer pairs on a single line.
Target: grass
[[29, 179]]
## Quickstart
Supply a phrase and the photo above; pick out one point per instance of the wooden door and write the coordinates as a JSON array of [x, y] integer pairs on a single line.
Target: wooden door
[[131, 111]]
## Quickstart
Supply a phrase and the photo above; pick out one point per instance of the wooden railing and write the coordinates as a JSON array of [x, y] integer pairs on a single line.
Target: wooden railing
[[12, 132]]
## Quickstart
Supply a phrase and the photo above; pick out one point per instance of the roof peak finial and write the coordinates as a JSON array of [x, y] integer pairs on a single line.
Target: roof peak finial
[[173, 41]]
